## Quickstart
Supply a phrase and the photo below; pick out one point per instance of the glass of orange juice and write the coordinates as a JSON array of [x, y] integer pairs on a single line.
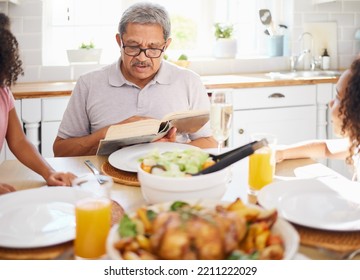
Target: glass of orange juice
[[262, 164], [92, 215]]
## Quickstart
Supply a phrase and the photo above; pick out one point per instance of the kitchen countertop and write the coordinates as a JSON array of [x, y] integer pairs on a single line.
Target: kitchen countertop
[[64, 88]]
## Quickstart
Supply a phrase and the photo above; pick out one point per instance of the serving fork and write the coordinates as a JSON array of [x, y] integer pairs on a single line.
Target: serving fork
[[225, 159]]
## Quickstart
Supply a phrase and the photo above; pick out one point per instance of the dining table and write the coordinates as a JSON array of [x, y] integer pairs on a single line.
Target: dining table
[[130, 198]]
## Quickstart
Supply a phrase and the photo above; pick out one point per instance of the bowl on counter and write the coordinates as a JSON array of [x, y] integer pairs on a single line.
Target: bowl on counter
[[157, 189]]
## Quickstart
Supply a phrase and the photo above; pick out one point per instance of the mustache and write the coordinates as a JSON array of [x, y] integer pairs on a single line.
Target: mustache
[[141, 63]]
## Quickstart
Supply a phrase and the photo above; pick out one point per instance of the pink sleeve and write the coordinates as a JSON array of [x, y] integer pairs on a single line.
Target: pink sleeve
[[6, 105], [11, 101]]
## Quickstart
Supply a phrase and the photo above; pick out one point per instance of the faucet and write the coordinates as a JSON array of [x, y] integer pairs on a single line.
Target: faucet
[[297, 58]]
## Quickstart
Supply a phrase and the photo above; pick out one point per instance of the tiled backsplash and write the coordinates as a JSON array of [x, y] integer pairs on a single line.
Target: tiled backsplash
[[26, 21], [346, 13]]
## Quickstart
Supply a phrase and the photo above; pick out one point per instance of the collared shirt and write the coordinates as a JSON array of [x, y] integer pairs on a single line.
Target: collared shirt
[[104, 97], [6, 105]]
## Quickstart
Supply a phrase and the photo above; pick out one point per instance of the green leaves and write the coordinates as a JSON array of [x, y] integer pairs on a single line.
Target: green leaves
[[87, 46], [127, 228], [223, 30], [183, 57], [178, 204]]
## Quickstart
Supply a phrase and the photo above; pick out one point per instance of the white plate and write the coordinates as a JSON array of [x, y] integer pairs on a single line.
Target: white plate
[[326, 203], [127, 158], [37, 217], [283, 228]]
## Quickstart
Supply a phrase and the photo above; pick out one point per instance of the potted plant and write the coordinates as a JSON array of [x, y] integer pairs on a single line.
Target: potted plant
[[182, 60], [85, 53], [225, 45]]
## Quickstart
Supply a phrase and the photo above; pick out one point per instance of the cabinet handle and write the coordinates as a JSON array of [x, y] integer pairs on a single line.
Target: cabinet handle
[[241, 131], [276, 95]]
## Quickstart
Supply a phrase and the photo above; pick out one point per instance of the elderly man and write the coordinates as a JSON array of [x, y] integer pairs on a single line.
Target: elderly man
[[139, 85]]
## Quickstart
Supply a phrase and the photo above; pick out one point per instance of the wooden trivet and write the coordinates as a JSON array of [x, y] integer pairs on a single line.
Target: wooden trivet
[[333, 240], [51, 252], [120, 176]]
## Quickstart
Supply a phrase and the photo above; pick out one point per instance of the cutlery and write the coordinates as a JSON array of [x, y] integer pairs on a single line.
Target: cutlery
[[228, 158], [94, 170], [349, 255], [218, 157]]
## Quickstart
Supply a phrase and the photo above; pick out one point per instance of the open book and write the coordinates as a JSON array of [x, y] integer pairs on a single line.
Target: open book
[[149, 130]]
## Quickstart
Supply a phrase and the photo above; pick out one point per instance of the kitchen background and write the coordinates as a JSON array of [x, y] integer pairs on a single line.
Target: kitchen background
[[340, 18], [46, 29]]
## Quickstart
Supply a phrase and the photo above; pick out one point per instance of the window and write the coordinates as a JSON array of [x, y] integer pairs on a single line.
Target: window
[[69, 23]]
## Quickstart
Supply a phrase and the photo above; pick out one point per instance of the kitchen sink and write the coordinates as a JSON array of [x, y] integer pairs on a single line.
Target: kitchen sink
[[304, 74]]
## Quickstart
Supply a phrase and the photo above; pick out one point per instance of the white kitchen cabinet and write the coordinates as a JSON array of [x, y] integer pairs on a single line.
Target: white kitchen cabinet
[[31, 117], [289, 112], [52, 110], [289, 125]]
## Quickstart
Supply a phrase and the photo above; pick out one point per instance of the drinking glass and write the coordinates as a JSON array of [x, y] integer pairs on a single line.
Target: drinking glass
[[92, 214], [262, 164], [221, 114]]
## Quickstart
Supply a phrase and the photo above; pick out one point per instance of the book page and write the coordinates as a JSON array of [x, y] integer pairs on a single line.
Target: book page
[[149, 130], [106, 146], [133, 129], [190, 124], [185, 114]]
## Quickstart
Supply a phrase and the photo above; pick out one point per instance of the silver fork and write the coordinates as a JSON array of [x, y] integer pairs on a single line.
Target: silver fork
[[94, 170]]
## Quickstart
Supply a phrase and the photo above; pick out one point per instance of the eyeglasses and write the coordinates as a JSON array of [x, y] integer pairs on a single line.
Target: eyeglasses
[[149, 52]]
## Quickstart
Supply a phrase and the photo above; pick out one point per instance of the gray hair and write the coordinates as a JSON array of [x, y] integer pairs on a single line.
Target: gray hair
[[146, 13]]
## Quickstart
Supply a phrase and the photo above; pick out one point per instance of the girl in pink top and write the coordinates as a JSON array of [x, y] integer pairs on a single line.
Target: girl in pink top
[[10, 127]]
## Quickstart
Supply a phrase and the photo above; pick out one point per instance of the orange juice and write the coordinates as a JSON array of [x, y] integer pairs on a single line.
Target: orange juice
[[93, 221], [261, 169]]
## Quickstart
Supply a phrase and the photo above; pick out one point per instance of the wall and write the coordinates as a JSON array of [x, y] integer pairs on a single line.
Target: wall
[[27, 26], [346, 13]]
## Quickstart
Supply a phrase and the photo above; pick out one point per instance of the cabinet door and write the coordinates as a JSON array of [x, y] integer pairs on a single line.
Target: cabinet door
[[49, 132], [51, 116], [290, 124], [274, 97], [52, 109]]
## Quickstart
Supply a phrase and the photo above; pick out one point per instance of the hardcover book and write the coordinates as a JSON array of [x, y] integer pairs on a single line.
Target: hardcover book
[[150, 130]]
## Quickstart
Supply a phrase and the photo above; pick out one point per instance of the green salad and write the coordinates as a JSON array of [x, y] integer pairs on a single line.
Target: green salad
[[177, 163]]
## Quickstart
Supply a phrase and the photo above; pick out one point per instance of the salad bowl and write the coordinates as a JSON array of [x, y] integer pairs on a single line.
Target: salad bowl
[[157, 189]]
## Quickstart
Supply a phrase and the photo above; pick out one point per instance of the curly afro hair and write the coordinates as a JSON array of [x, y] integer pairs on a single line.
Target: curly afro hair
[[10, 63], [4, 21], [350, 109]]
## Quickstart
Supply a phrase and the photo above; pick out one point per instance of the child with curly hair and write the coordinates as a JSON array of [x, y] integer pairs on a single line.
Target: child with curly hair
[[345, 115], [10, 127]]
